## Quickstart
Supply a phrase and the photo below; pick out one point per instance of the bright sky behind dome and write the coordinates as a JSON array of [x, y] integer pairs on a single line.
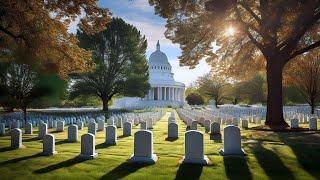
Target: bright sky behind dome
[[140, 14]]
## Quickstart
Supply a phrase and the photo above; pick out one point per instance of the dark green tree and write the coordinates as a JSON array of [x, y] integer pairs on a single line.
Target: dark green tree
[[20, 86], [194, 99], [121, 65]]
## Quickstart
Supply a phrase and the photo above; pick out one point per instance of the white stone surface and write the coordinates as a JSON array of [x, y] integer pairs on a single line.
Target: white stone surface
[[73, 133], [28, 128], [313, 124], [173, 131], [207, 125], [215, 128], [60, 126], [143, 125], [143, 148], [80, 125], [101, 125], [232, 142], [111, 135], [16, 138], [244, 124], [127, 128], [294, 123], [194, 125], [194, 148], [49, 147], [2, 129], [43, 130], [88, 146], [92, 128]]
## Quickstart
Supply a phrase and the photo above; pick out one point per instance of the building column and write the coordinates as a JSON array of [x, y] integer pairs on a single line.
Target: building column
[[152, 93], [174, 94], [158, 93], [165, 93]]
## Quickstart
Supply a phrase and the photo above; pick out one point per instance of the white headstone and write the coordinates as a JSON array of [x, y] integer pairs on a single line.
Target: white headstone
[[194, 149], [215, 128], [232, 142], [60, 126], [2, 129], [92, 128], [244, 124], [194, 125], [119, 123], [88, 146], [43, 130], [80, 125], [143, 148], [127, 129], [294, 123], [73, 133], [143, 125], [16, 138], [313, 124], [173, 130], [101, 125], [111, 135], [28, 128], [49, 147], [207, 125]]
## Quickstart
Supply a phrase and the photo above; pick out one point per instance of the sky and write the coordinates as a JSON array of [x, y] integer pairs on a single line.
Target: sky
[[140, 14]]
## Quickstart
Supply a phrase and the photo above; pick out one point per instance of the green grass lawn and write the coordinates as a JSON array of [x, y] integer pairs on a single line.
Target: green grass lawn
[[270, 156]]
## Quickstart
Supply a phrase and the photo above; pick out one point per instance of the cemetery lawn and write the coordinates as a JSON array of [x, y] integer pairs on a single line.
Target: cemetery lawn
[[270, 155]]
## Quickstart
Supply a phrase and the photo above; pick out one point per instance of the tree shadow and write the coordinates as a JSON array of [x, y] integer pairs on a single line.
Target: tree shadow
[[306, 151], [104, 145], [189, 171], [216, 138], [16, 160], [271, 163], [64, 164], [63, 142], [123, 170], [171, 139], [236, 167], [122, 136], [5, 149]]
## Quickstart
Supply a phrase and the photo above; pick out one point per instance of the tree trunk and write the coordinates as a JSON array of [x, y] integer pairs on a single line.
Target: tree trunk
[[105, 104], [312, 104], [24, 114], [274, 99], [216, 103]]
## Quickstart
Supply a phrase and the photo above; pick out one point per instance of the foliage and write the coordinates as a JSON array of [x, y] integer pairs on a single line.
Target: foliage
[[212, 87], [121, 65], [194, 99], [20, 85], [304, 74], [36, 32], [265, 34]]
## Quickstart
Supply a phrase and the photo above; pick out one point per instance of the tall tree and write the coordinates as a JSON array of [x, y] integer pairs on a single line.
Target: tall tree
[[212, 87], [37, 32], [20, 85], [194, 99], [121, 64], [304, 74], [246, 30]]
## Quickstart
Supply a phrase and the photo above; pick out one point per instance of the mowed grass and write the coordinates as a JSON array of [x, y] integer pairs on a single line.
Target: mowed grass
[[269, 156]]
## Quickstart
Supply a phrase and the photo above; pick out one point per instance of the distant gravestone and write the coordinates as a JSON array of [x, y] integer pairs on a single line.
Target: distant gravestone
[[80, 125], [110, 122], [232, 142], [92, 128], [73, 133], [294, 123], [143, 148], [111, 135], [2, 129], [313, 124], [28, 128], [16, 138], [150, 124], [88, 146], [173, 130], [101, 125], [215, 128], [244, 124], [143, 125], [43, 130], [127, 126], [49, 147], [194, 125], [119, 123], [194, 148], [228, 122], [207, 125], [60, 126]]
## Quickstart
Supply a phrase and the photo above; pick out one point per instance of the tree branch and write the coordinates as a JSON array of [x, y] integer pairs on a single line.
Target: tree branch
[[305, 49]]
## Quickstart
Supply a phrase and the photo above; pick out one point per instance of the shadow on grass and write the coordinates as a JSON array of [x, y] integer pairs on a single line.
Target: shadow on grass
[[31, 139], [189, 171], [5, 149], [123, 170], [271, 163], [122, 136], [63, 142], [16, 160], [307, 152], [171, 139], [64, 164], [216, 138], [103, 145], [236, 168]]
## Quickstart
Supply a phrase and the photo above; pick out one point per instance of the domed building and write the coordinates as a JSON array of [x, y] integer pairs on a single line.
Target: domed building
[[164, 91]]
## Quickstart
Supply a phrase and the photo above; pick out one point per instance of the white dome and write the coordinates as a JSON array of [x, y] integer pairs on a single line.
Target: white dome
[[158, 57]]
